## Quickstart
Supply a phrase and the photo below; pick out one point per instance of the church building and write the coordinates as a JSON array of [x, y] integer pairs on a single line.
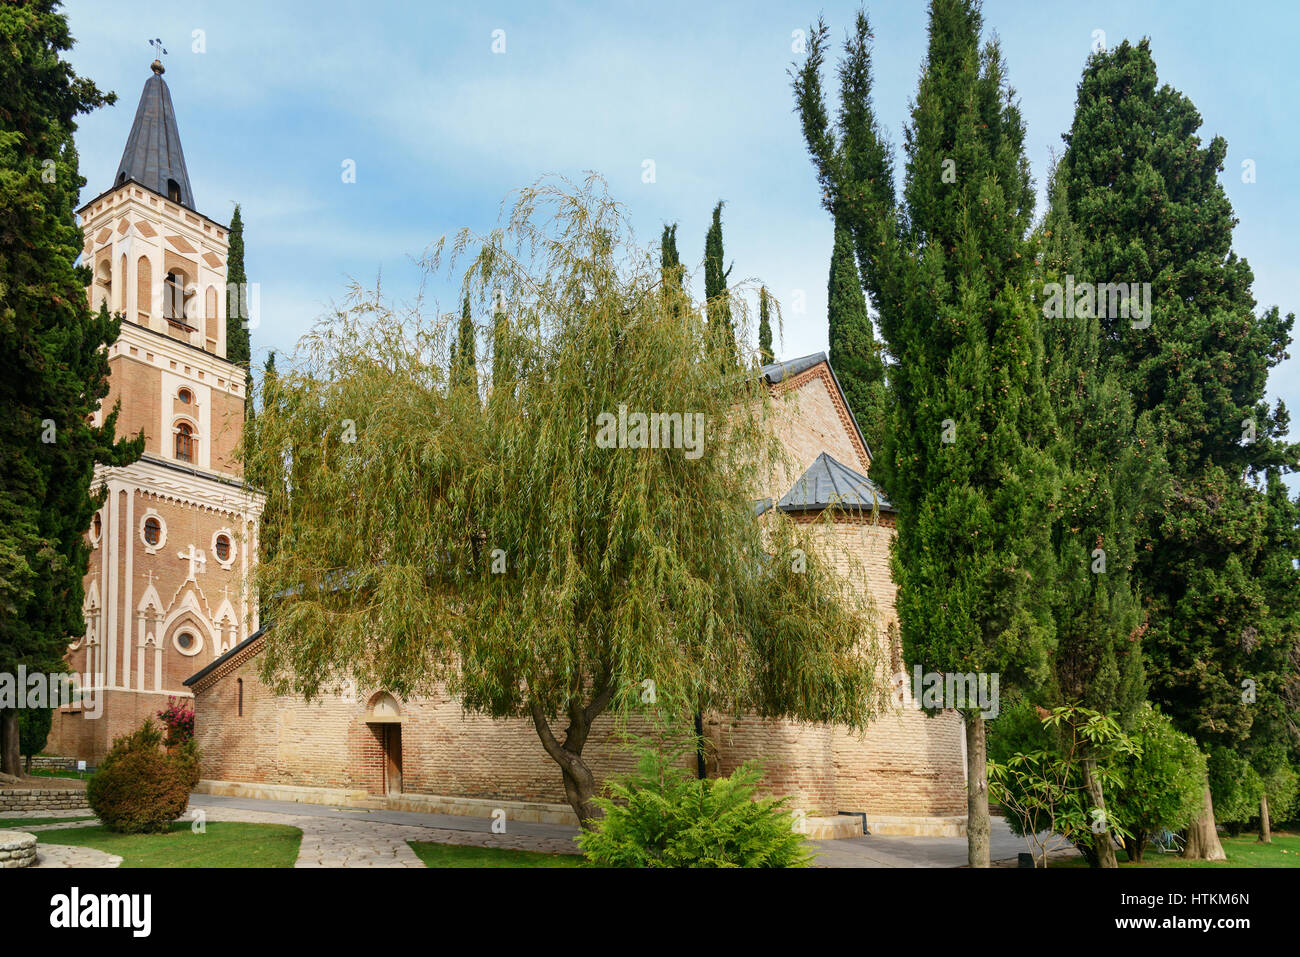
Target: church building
[[169, 612]]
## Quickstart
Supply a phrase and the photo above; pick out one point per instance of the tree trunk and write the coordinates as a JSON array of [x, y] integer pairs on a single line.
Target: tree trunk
[[579, 782], [10, 758], [1202, 839], [1135, 845], [1265, 828], [1102, 841], [977, 791]]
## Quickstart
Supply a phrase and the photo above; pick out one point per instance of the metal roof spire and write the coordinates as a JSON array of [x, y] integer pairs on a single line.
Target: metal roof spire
[[153, 155]]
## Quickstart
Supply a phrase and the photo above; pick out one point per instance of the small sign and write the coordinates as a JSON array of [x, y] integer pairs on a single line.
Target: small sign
[[81, 765]]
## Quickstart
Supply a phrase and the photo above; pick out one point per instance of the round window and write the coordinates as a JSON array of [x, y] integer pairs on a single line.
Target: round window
[[152, 531], [223, 548], [185, 641], [186, 396]]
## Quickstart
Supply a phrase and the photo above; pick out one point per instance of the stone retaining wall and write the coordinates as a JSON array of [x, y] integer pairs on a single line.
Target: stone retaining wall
[[33, 799]]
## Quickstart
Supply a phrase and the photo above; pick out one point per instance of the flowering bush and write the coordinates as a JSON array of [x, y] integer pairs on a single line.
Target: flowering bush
[[179, 721]]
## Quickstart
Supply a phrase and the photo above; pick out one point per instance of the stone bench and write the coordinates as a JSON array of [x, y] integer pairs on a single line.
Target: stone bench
[[17, 849]]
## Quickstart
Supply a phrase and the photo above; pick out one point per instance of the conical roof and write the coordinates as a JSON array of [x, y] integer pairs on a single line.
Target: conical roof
[[829, 483], [153, 156]]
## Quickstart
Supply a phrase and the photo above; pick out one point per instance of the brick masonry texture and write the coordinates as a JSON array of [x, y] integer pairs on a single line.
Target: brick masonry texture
[[904, 764]]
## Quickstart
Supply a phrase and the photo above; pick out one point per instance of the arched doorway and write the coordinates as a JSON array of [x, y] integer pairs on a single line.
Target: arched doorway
[[384, 717]]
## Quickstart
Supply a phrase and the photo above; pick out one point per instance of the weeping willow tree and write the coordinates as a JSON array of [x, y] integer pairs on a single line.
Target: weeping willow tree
[[547, 554]]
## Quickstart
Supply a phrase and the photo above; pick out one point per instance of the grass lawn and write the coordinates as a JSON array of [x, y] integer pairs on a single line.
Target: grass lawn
[[18, 823], [455, 855], [225, 844], [1243, 851], [62, 773]]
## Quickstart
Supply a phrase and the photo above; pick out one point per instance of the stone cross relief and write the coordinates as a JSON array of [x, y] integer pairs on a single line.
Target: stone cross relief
[[197, 560]]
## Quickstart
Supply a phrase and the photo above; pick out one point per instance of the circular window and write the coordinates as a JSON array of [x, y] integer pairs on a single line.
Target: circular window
[[223, 548], [186, 396], [187, 643], [152, 531]]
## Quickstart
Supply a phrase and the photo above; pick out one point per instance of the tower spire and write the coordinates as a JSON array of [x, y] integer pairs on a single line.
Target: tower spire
[[153, 156]]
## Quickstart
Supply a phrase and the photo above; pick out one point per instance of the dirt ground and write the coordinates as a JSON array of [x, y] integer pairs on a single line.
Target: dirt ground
[[39, 783]]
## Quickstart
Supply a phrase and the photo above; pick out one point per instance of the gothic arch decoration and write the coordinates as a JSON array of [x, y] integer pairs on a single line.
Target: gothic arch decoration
[[148, 615], [226, 626]]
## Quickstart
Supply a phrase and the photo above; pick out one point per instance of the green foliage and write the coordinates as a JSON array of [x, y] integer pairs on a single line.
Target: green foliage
[[34, 730], [1110, 466], [1282, 785], [664, 816], [1044, 789], [1142, 188], [765, 353], [717, 297], [52, 347], [1163, 783], [140, 788], [1236, 788], [854, 352], [238, 339], [464, 361]]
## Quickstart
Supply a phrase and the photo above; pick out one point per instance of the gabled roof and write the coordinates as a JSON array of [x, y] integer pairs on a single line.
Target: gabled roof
[[829, 483], [218, 662], [153, 148], [777, 372]]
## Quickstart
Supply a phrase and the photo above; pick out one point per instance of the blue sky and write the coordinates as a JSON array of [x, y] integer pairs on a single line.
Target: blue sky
[[441, 128]]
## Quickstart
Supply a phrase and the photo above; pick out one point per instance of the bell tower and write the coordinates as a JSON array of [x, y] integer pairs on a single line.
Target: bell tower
[[175, 543]]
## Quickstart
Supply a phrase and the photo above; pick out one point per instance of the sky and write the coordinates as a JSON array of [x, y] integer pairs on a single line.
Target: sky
[[273, 99]]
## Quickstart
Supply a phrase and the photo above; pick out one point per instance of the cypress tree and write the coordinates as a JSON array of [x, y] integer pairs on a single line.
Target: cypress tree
[[670, 263], [464, 362], [765, 354], [1110, 466], [238, 340], [718, 301], [854, 353], [1143, 190], [949, 274], [52, 348]]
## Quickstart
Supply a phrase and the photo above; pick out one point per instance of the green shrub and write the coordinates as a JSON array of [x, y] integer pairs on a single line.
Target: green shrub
[[1236, 788], [140, 788], [1282, 785], [664, 816], [1162, 787]]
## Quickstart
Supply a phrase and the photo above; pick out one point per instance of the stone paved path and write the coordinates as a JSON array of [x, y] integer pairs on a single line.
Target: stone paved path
[[341, 839]]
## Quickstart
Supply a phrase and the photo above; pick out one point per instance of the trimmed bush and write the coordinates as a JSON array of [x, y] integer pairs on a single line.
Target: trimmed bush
[[664, 816], [1162, 787], [140, 788], [1236, 788]]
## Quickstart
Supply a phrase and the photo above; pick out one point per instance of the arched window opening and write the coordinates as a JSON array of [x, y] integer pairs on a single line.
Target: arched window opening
[[239, 686], [173, 191], [184, 442], [174, 297]]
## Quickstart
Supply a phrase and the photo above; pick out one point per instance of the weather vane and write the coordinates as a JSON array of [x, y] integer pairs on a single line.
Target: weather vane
[[158, 50]]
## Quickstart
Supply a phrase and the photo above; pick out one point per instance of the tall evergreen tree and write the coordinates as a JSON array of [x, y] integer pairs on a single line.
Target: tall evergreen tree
[[1143, 190], [52, 348], [238, 339], [464, 360], [670, 263], [949, 274], [765, 354], [718, 302], [854, 353], [1110, 466]]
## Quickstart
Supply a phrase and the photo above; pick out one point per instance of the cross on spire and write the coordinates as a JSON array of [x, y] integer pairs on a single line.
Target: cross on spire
[[158, 50]]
